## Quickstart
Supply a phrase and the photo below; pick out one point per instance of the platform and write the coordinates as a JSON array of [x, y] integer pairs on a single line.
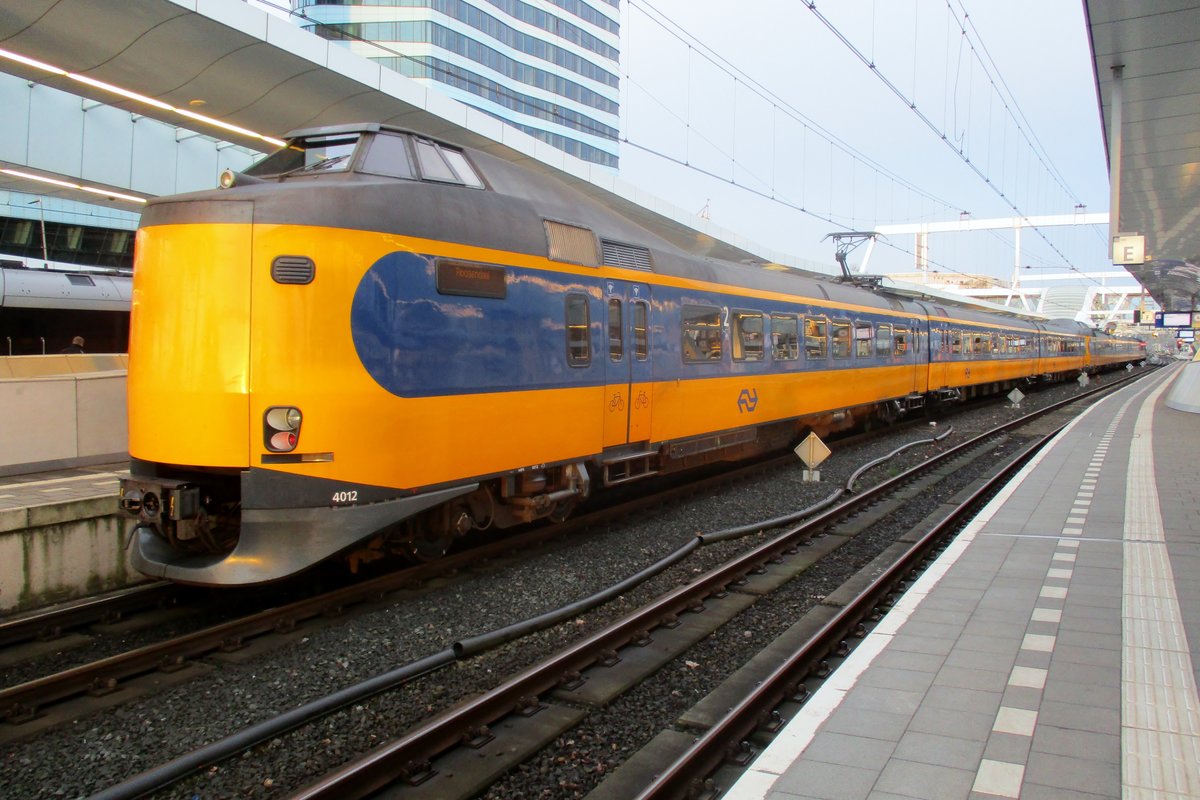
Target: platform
[[61, 536], [1048, 653]]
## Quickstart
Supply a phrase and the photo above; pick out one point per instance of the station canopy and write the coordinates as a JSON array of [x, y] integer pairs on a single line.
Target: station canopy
[[1157, 48]]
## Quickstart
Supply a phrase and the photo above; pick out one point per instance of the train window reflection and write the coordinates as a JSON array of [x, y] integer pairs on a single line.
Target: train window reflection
[[433, 166], [883, 340], [747, 336], [862, 340], [900, 343], [841, 338], [816, 330], [579, 353], [616, 338], [785, 338], [641, 336], [702, 334]]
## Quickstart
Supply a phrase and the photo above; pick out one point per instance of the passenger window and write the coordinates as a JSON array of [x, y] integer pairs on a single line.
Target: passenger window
[[956, 342], [641, 336], [579, 352], [785, 338], [900, 343], [616, 337], [841, 338], [883, 341], [747, 335], [862, 340], [815, 337], [702, 334]]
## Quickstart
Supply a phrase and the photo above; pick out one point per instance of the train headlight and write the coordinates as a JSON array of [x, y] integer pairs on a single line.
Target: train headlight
[[281, 428]]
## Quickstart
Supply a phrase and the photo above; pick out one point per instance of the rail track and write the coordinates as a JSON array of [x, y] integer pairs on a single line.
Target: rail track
[[461, 752]]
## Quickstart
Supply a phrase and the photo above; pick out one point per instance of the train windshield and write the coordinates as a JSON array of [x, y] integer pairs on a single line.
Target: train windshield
[[308, 155]]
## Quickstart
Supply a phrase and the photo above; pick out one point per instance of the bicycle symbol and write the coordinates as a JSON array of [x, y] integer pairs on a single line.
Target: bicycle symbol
[[617, 403], [642, 401]]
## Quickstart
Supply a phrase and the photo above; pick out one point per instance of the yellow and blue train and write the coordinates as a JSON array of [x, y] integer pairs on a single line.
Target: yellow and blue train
[[374, 340]]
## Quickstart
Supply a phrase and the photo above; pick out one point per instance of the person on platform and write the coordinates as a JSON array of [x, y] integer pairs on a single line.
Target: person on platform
[[76, 346]]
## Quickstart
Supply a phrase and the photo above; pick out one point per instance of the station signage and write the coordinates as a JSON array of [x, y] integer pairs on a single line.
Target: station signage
[[1172, 319]]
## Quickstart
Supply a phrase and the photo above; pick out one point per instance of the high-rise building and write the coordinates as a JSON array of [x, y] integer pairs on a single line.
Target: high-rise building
[[548, 67]]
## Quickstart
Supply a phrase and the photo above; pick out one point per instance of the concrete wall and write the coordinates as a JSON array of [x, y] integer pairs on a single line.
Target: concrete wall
[[62, 551], [61, 411]]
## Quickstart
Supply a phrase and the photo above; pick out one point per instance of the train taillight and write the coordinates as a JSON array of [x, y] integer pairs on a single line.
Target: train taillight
[[281, 428]]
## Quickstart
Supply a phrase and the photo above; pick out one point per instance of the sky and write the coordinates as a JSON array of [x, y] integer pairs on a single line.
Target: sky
[[755, 110]]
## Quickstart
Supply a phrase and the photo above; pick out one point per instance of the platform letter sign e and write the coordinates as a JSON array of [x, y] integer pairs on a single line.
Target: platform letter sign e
[[1128, 249]]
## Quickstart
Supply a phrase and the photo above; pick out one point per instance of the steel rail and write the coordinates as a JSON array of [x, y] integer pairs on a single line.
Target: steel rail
[[49, 623]]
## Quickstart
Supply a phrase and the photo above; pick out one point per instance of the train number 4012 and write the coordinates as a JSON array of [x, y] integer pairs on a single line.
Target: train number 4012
[[346, 497]]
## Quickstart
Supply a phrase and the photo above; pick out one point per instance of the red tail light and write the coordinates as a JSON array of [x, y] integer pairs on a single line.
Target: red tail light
[[281, 428]]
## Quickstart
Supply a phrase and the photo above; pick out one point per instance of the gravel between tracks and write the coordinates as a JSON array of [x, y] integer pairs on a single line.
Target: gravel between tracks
[[92, 753]]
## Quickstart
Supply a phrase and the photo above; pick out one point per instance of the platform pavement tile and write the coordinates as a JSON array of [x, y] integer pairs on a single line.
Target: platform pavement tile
[[977, 659], [1088, 775], [932, 630], [974, 725], [925, 780], [1082, 611], [944, 616], [873, 723], [1032, 791], [890, 678], [1024, 697], [901, 659], [952, 697], [892, 700], [1009, 747], [1065, 691], [990, 644], [1107, 597], [1080, 717], [816, 779], [1077, 744], [1035, 659], [971, 678], [945, 751], [1075, 671], [1097, 641], [1106, 624], [999, 630], [915, 644], [852, 751]]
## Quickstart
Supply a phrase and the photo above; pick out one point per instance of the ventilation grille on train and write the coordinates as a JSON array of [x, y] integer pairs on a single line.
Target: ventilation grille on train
[[571, 243], [293, 269], [629, 256]]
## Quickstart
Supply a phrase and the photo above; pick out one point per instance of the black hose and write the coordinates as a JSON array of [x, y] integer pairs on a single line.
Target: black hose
[[465, 648], [726, 534], [158, 777]]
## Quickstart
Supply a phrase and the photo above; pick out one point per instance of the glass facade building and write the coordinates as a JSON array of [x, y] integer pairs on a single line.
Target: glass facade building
[[547, 67]]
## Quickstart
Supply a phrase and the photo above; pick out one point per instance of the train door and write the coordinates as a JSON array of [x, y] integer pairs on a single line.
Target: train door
[[627, 410]]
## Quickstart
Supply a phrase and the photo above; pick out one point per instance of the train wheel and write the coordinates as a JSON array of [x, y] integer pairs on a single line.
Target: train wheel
[[561, 511], [429, 545]]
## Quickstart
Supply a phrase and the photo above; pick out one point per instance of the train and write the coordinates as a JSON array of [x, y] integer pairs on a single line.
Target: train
[[43, 307], [373, 342]]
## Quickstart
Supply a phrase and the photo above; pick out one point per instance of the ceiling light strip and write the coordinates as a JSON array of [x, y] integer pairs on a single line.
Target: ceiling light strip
[[68, 185], [141, 98]]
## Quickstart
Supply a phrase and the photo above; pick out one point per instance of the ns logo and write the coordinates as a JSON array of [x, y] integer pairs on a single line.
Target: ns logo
[[747, 400]]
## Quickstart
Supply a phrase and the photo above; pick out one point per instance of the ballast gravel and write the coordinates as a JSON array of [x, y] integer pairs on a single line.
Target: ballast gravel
[[92, 753]]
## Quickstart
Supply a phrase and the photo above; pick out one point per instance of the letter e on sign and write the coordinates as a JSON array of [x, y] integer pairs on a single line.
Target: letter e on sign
[[1128, 249], [812, 451]]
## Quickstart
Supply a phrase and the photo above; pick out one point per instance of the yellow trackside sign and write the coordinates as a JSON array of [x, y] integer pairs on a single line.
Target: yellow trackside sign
[[812, 451]]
